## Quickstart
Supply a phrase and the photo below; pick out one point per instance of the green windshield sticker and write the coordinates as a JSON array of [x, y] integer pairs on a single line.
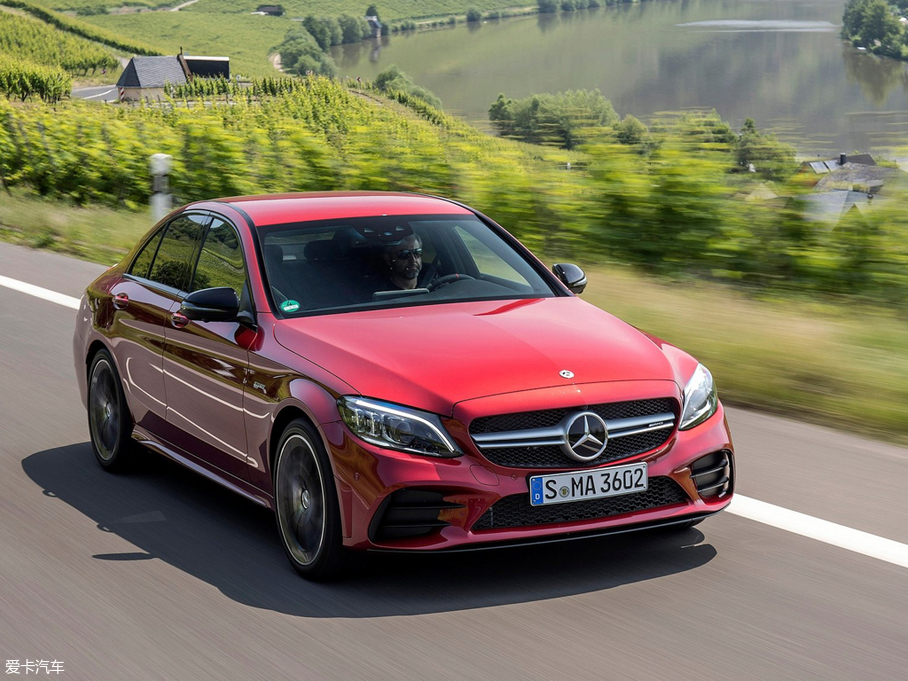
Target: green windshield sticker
[[290, 306]]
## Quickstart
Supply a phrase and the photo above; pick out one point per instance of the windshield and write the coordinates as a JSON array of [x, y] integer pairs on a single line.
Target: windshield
[[362, 263]]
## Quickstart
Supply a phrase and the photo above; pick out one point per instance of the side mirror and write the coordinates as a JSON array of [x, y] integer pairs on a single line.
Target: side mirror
[[571, 276], [218, 304]]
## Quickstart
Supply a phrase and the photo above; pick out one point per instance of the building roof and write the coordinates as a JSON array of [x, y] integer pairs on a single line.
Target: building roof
[[822, 167], [857, 177], [146, 72], [831, 206]]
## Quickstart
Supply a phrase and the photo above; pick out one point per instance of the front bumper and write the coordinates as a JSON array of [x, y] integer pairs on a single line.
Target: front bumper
[[398, 502]]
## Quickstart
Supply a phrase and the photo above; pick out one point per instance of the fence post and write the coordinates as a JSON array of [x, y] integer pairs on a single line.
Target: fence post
[[161, 199]]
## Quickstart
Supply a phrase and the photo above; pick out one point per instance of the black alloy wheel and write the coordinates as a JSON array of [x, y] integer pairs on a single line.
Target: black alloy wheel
[[306, 507], [109, 421]]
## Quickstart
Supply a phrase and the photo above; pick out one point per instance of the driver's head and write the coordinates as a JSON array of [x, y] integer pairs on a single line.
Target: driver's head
[[405, 261]]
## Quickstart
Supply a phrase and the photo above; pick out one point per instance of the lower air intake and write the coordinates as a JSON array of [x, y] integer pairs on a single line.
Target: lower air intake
[[409, 513], [515, 511], [713, 475]]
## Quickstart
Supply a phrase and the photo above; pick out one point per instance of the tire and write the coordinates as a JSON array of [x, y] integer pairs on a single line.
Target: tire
[[306, 506], [109, 420]]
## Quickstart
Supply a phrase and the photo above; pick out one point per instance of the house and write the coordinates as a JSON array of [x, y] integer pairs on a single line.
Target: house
[[831, 206], [145, 77], [375, 25], [270, 10], [812, 171]]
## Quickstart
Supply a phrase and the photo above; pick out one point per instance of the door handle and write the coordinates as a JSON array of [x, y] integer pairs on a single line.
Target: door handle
[[120, 301], [178, 320]]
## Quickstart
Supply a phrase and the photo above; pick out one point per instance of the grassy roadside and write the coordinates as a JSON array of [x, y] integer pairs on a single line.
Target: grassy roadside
[[839, 365]]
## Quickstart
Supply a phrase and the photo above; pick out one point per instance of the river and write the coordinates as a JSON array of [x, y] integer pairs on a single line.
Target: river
[[780, 62]]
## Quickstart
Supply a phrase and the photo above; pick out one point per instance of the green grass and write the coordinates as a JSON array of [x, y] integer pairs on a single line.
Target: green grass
[[247, 40], [841, 365], [388, 9], [98, 234]]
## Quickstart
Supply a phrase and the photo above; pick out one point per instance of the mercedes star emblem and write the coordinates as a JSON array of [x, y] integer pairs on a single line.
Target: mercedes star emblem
[[585, 436]]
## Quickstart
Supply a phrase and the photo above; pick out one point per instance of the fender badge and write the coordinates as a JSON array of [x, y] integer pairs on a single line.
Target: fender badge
[[564, 373]]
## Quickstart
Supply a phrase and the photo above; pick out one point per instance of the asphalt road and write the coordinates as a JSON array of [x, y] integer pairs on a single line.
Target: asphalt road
[[160, 574], [102, 93]]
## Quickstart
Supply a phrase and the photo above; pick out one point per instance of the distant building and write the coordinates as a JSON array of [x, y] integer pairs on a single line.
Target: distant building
[[145, 77], [814, 170], [375, 26], [847, 186], [270, 10]]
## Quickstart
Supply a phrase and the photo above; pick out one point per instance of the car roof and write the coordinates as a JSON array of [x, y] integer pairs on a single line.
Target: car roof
[[273, 209]]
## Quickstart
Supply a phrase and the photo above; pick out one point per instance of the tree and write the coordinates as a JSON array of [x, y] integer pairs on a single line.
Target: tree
[[878, 25], [631, 131], [372, 11], [473, 15], [353, 29], [771, 158], [392, 78]]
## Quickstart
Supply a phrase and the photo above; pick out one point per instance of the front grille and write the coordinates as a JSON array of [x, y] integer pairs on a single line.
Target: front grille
[[552, 456], [551, 417], [409, 513], [515, 511]]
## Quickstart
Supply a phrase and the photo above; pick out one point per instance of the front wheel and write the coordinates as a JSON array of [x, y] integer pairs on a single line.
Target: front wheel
[[305, 499], [109, 421]]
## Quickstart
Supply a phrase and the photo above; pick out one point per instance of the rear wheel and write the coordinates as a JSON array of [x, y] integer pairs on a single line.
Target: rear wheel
[[109, 421], [306, 507]]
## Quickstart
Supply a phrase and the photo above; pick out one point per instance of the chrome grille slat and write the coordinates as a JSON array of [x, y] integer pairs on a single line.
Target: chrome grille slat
[[633, 428]]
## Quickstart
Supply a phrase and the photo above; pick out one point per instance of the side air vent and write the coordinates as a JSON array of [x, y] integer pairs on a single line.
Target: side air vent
[[409, 513], [713, 474]]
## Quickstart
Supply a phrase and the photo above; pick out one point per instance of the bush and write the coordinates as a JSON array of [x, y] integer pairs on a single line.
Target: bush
[[473, 15], [547, 6], [393, 79], [552, 119], [22, 79]]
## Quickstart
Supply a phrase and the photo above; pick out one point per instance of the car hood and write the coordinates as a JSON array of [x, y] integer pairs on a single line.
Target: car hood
[[432, 357]]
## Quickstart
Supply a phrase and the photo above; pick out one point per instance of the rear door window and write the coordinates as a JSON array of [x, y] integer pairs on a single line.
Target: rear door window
[[175, 261]]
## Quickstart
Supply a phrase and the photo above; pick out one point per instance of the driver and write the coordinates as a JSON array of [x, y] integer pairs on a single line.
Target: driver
[[404, 261]]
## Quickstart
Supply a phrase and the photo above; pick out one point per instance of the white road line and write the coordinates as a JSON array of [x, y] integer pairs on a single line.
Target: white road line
[[821, 530], [775, 516], [38, 292], [99, 94]]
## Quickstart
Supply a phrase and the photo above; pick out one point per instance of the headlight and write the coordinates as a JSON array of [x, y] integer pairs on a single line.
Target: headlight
[[396, 427], [700, 399]]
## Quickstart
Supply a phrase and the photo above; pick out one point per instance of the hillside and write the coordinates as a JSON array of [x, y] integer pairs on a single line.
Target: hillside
[[388, 9], [36, 41]]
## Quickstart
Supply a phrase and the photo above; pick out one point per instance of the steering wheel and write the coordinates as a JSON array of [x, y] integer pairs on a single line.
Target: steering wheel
[[447, 279]]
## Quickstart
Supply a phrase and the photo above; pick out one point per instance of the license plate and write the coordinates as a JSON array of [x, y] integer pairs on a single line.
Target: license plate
[[562, 488]]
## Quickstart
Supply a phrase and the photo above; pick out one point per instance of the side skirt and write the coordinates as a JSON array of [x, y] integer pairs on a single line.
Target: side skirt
[[186, 459]]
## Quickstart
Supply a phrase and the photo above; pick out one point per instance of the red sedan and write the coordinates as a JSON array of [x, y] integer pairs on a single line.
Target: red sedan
[[395, 372]]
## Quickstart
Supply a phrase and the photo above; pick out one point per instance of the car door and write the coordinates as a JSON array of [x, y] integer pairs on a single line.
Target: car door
[[205, 362], [141, 303]]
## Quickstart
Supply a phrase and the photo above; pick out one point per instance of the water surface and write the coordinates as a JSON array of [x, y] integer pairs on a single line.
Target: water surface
[[780, 62]]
